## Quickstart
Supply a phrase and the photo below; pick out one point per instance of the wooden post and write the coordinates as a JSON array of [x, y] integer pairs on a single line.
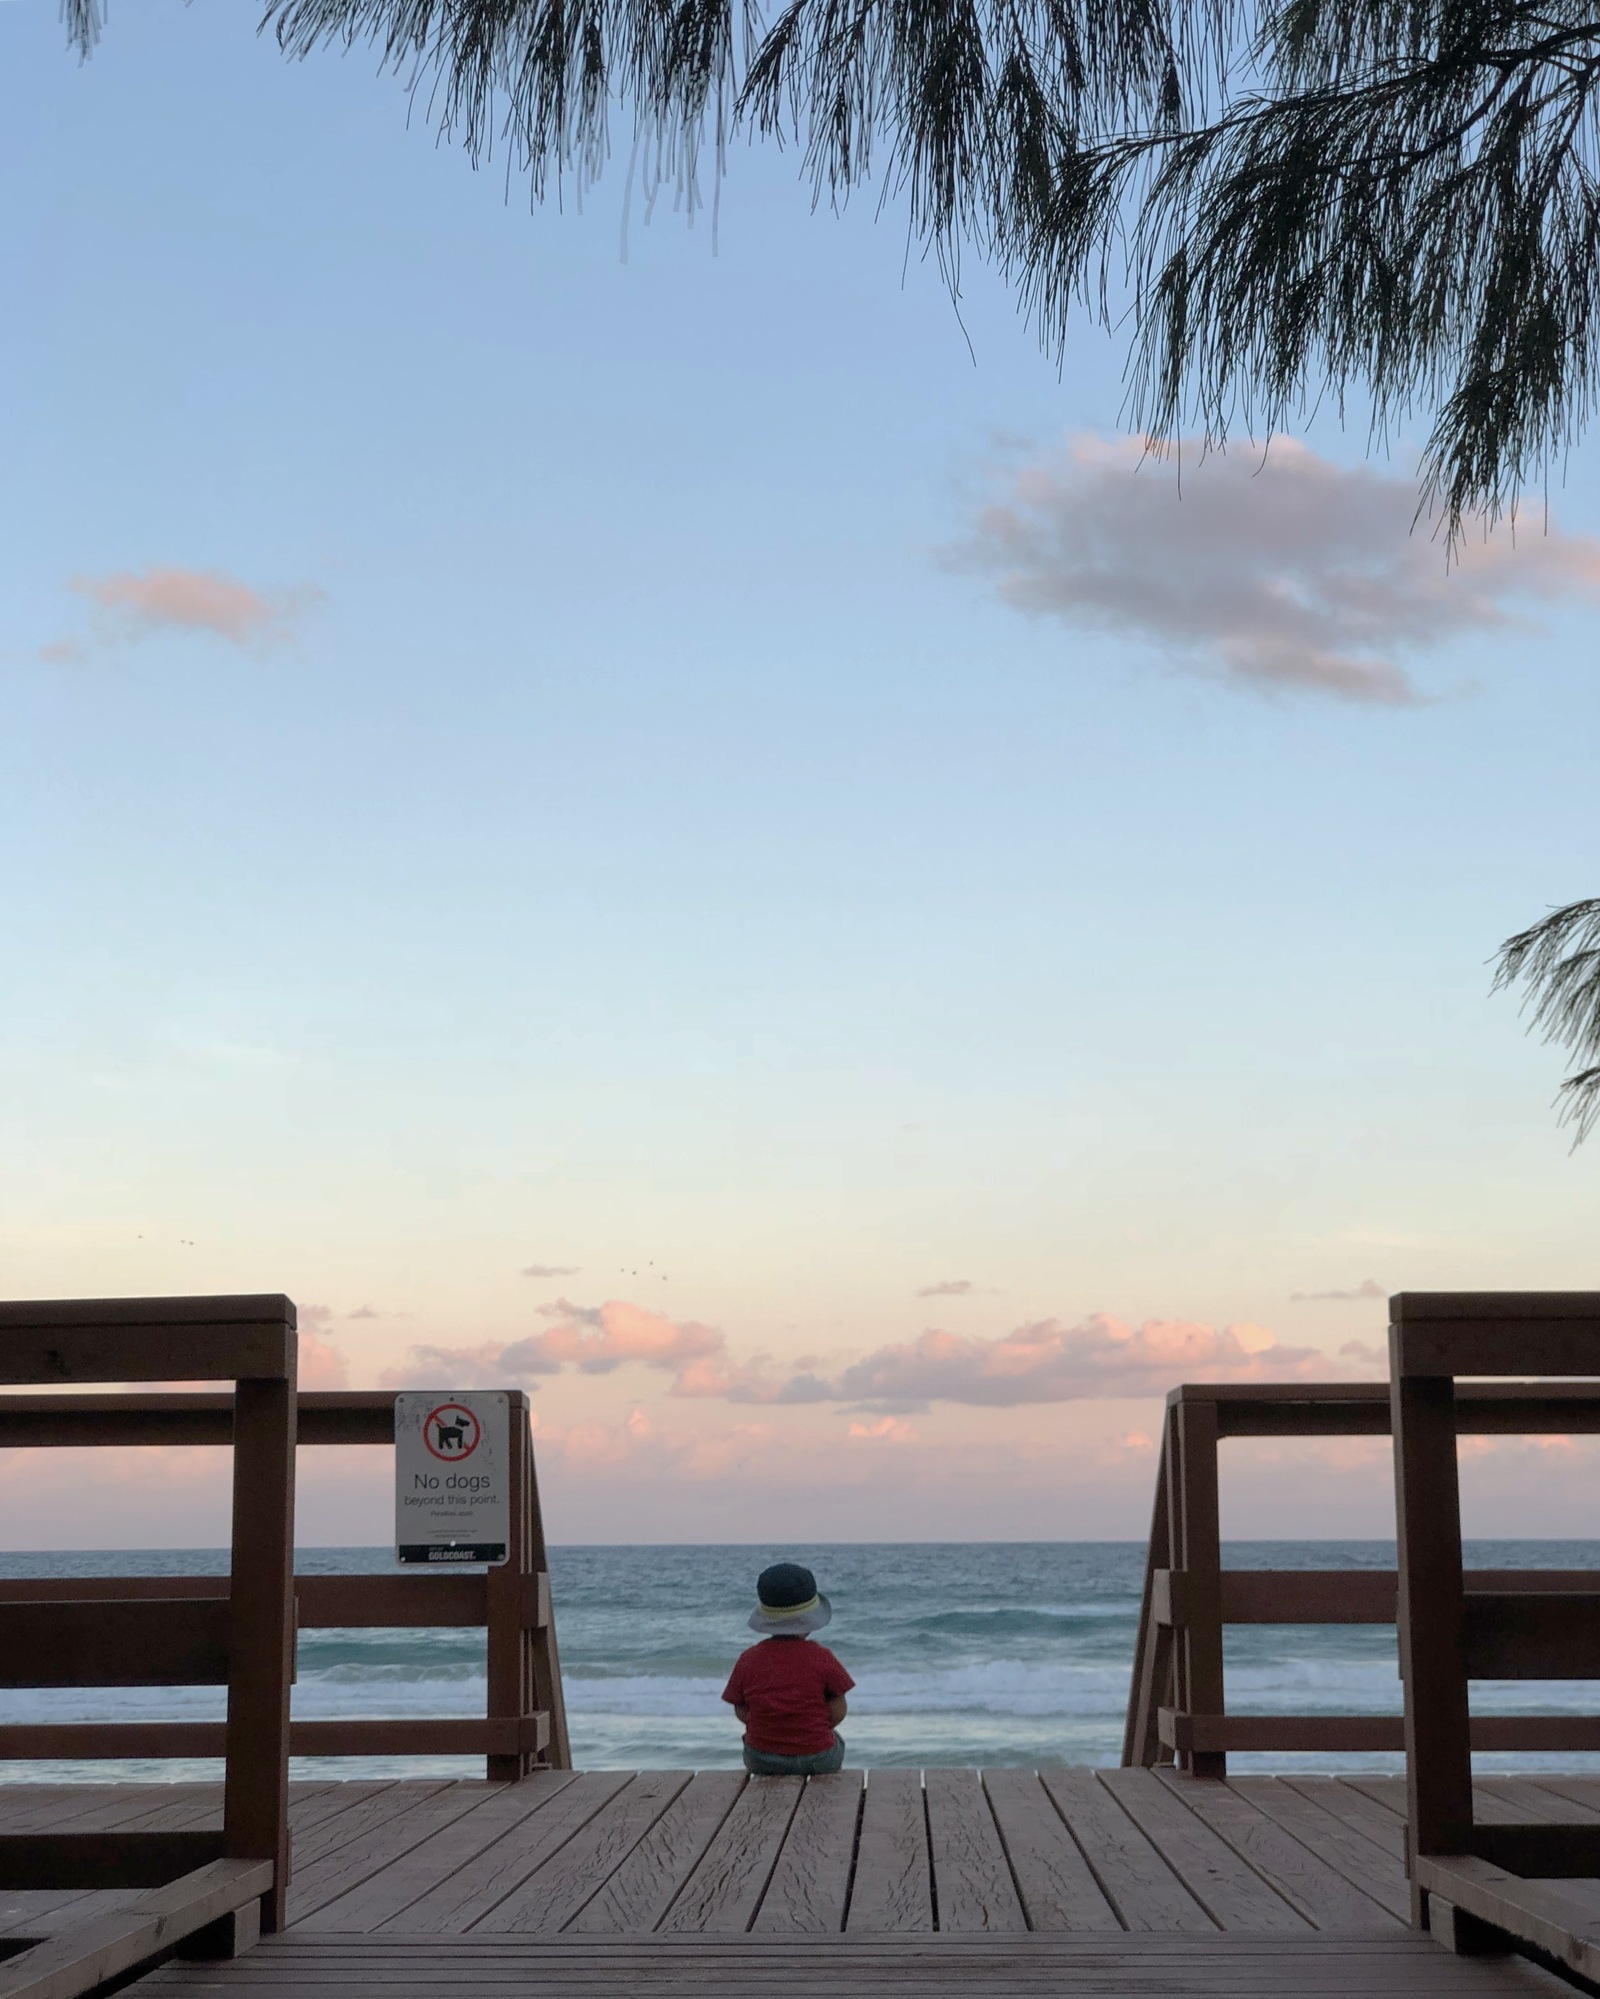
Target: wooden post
[[1199, 1550], [1152, 1652], [255, 1809], [524, 1677], [1432, 1608], [1171, 1476], [510, 1682], [546, 1661]]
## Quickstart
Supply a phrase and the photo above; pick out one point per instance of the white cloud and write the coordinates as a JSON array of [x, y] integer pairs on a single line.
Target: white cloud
[[1278, 571]]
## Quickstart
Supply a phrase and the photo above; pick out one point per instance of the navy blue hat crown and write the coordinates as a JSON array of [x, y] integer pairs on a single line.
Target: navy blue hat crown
[[786, 1586]]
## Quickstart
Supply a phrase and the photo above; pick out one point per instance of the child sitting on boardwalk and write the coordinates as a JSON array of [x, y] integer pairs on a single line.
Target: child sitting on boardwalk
[[789, 1693]]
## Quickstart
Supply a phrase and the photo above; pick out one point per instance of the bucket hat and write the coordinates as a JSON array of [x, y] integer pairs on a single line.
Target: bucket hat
[[788, 1603]]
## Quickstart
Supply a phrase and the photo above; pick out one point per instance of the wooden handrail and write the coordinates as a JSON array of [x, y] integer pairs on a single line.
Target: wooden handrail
[[1361, 1408], [1176, 1707], [1338, 1596]]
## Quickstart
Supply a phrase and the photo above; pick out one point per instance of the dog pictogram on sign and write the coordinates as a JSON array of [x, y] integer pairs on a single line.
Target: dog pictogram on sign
[[451, 1432]]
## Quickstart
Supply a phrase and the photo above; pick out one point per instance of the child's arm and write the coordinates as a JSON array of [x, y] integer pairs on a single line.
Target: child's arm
[[733, 1694], [838, 1708]]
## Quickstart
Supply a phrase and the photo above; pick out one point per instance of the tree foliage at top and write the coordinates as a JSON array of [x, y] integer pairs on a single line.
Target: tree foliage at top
[[1395, 198], [1557, 962], [1400, 199]]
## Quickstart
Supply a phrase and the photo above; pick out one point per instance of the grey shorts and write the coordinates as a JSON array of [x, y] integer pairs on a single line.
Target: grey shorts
[[823, 1764]]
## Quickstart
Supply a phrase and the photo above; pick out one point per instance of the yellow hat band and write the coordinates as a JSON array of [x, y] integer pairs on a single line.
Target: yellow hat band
[[789, 1609]]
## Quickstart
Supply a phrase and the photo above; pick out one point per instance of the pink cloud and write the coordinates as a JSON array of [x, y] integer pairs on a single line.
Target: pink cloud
[[1273, 569], [887, 1430], [1045, 1361], [429, 1366], [594, 1339], [321, 1363], [597, 1339], [129, 605], [1049, 1362]]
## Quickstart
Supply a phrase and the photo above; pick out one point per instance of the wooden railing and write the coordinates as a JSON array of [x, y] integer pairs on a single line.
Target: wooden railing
[[1483, 1885], [525, 1725], [211, 1892], [1176, 1707]]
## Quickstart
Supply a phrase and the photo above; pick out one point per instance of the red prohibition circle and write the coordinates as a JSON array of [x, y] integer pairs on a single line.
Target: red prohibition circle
[[465, 1418]]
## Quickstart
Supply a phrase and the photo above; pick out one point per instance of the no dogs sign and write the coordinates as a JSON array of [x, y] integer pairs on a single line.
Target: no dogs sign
[[452, 1494]]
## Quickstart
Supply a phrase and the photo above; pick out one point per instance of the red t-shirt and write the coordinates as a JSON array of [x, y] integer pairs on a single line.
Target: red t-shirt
[[786, 1684]]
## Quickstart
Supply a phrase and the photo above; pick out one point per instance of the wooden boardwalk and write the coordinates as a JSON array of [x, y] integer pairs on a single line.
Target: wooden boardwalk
[[617, 1882]]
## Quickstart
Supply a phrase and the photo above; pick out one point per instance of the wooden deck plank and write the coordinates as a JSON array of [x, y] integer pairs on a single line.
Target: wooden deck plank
[[973, 1948], [30, 1912], [379, 1846], [52, 1807], [358, 1816], [1553, 1797], [123, 1807], [811, 1882], [1373, 1869], [1057, 1886], [190, 1808], [305, 1814], [466, 1896], [1388, 1792], [1228, 1887], [386, 1896], [1504, 1805], [972, 1884], [1356, 1810], [893, 1888], [1576, 1790], [1305, 1881], [1138, 1883], [45, 1912], [549, 1898], [725, 1889], [1001, 1967], [641, 1890]]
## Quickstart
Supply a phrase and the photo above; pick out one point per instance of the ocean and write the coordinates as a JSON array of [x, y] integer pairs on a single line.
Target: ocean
[[994, 1653]]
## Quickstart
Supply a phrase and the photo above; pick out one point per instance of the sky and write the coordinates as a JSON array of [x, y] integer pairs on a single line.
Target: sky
[[686, 826]]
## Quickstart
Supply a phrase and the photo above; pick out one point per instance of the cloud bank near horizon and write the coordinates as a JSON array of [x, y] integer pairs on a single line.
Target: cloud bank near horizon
[[1277, 570], [1100, 1358]]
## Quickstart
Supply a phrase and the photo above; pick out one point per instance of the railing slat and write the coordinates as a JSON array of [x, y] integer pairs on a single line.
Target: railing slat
[[168, 1642], [464, 1735], [1517, 1734]]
